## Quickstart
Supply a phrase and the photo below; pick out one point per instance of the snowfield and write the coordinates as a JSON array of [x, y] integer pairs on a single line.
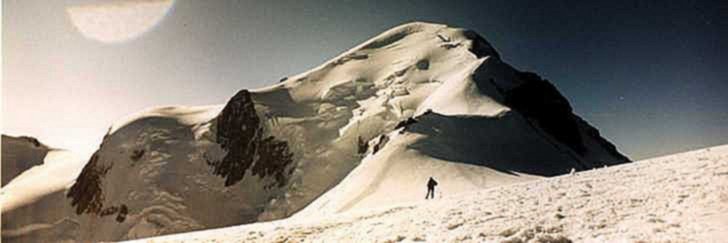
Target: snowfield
[[677, 198]]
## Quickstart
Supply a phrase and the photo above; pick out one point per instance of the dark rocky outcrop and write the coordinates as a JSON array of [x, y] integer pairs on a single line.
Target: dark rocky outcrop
[[362, 145], [123, 211], [86, 194], [405, 123], [120, 211], [240, 134], [383, 139], [137, 154]]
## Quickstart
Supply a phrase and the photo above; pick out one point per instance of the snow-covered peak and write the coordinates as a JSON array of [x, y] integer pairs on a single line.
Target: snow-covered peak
[[365, 128], [406, 55]]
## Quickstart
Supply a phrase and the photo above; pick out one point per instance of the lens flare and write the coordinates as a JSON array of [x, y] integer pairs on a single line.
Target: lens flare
[[118, 21]]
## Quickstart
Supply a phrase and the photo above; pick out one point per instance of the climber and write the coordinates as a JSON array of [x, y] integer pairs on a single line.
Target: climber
[[431, 188]]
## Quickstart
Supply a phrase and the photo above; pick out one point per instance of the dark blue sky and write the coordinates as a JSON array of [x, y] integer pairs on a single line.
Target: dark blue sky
[[651, 75]]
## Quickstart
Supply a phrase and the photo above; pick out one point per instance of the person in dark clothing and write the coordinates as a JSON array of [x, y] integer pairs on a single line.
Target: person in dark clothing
[[431, 188]]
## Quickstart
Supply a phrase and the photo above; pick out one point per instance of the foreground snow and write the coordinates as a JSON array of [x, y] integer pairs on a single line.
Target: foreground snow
[[678, 198]]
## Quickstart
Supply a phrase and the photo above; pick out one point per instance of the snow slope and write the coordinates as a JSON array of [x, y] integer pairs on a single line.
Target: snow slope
[[373, 123], [34, 206], [677, 198], [478, 123]]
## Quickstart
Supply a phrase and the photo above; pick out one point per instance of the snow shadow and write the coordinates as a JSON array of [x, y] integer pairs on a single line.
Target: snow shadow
[[507, 143]]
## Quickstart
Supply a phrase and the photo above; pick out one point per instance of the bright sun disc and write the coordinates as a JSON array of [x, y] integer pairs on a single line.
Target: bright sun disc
[[118, 21]]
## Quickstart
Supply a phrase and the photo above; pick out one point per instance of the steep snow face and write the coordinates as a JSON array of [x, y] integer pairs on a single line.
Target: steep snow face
[[34, 207], [603, 205], [482, 124], [20, 154], [418, 100]]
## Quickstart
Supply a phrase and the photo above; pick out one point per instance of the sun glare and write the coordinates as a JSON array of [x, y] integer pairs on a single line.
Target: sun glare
[[118, 21]]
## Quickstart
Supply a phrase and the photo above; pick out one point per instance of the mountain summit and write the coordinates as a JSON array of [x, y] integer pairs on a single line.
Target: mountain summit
[[365, 129]]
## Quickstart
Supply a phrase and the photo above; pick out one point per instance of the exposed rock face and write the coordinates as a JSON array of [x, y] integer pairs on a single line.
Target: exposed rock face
[[405, 123], [86, 194], [362, 146], [240, 134], [20, 154], [380, 143]]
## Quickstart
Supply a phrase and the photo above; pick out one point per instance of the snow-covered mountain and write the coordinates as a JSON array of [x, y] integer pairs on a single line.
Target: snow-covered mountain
[[34, 205], [602, 205], [369, 126], [20, 154]]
